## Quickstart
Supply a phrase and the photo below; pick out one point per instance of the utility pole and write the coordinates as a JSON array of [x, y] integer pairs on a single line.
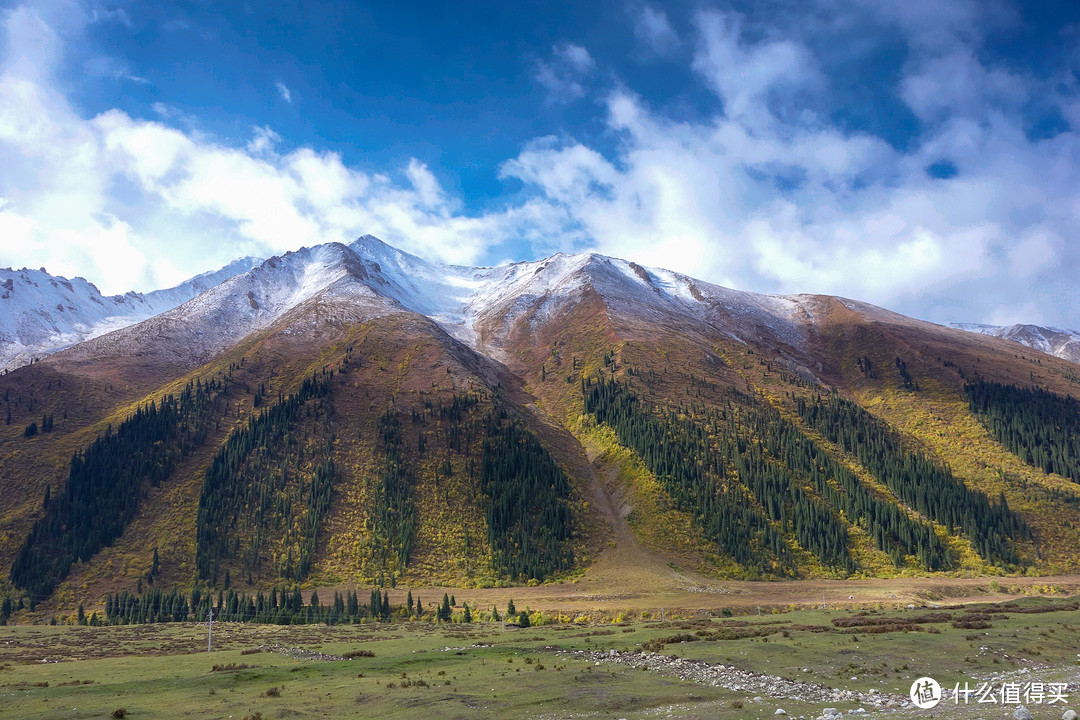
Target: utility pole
[[210, 629]]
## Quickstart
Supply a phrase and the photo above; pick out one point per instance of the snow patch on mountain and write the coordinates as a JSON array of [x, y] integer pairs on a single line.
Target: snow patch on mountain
[[314, 289], [1058, 342], [42, 313], [368, 278]]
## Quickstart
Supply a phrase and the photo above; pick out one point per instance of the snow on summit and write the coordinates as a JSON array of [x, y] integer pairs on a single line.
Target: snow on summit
[[42, 313]]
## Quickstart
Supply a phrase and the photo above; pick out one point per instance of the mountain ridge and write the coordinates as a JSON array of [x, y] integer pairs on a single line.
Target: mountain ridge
[[1055, 341], [58, 313], [456, 297], [396, 376]]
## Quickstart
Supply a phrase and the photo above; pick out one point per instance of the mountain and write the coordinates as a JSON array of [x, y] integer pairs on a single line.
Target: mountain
[[1060, 343], [354, 414], [42, 313]]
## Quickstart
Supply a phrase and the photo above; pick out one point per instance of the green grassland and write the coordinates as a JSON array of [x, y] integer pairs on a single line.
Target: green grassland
[[483, 670]]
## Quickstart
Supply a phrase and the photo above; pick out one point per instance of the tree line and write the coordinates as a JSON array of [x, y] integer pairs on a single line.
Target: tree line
[[278, 607], [676, 450], [527, 494], [104, 485], [265, 484], [749, 461], [1039, 427], [393, 512], [892, 530], [928, 488]]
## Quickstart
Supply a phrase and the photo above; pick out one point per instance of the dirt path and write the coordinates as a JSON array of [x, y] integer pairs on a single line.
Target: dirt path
[[625, 563]]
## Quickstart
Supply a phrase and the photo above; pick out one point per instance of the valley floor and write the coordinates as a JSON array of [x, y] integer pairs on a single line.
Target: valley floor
[[738, 665], [689, 592]]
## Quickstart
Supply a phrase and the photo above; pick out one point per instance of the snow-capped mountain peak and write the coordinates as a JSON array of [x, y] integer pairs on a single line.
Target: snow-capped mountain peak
[[1058, 342], [42, 313], [478, 306]]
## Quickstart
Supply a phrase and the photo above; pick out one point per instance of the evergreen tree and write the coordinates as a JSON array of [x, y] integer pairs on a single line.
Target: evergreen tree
[[444, 612], [1039, 427], [528, 511], [105, 481], [263, 483], [930, 489]]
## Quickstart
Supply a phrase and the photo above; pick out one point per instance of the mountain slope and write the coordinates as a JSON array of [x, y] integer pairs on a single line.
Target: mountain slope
[[42, 313], [366, 405]]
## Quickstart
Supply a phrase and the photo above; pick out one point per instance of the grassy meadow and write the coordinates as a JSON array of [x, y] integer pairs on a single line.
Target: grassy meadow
[[483, 670]]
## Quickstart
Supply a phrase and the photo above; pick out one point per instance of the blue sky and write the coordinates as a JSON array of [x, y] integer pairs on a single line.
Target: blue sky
[[922, 156]]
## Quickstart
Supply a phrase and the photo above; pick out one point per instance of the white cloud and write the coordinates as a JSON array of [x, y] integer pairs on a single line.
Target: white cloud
[[748, 76], [574, 56], [768, 193], [653, 30], [101, 13], [263, 141], [957, 84], [283, 90], [134, 203], [769, 196], [424, 183], [565, 73]]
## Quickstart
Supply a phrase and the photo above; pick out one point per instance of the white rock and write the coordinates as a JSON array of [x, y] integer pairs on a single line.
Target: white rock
[[1022, 713], [780, 711], [1069, 715]]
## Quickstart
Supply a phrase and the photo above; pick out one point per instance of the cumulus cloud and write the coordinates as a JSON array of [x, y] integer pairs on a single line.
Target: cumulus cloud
[[136, 203], [771, 195], [771, 192]]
